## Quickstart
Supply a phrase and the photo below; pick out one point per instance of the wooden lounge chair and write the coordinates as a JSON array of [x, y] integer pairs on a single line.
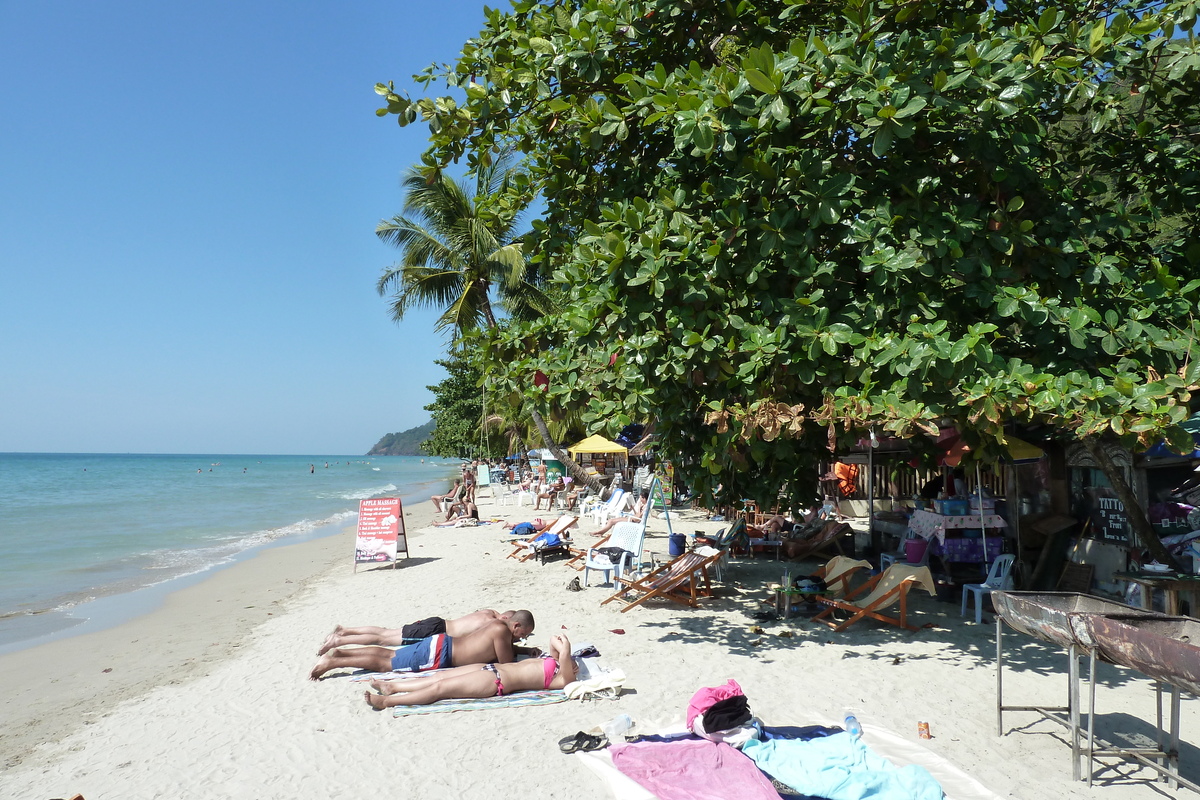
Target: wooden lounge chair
[[827, 538], [523, 552], [681, 580], [877, 594], [837, 573]]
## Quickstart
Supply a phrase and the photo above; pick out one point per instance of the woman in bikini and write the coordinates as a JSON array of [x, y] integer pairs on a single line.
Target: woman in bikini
[[479, 680]]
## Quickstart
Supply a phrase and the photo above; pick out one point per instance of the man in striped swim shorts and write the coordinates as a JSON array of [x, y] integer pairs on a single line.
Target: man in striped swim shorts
[[493, 643]]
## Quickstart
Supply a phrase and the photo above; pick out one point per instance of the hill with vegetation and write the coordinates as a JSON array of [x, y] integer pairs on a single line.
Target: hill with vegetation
[[404, 443]]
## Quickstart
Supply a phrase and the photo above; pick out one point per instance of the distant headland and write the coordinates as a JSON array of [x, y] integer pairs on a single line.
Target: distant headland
[[405, 443]]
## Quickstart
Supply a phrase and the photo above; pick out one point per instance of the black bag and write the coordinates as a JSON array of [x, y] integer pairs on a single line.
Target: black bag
[[614, 554]]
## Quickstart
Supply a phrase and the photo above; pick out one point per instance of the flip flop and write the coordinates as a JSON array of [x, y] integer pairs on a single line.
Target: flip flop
[[581, 741]]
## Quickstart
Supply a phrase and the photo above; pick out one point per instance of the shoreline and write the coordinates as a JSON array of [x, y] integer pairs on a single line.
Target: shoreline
[[208, 697], [184, 635]]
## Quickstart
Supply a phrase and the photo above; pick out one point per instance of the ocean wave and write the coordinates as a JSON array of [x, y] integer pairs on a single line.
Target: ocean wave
[[365, 494], [159, 566]]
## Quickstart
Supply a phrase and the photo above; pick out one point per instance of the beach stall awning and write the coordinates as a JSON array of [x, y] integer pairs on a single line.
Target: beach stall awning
[[596, 444], [1017, 451]]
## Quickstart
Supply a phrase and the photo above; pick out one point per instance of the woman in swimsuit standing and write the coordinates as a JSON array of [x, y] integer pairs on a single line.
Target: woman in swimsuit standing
[[479, 680]]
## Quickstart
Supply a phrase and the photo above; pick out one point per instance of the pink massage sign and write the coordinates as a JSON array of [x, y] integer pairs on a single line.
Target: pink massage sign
[[380, 531]]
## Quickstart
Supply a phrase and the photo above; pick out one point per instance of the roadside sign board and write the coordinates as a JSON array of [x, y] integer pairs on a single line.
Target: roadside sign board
[[380, 531]]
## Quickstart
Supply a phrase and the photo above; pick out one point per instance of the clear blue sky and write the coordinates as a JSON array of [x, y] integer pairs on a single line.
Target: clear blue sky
[[188, 198]]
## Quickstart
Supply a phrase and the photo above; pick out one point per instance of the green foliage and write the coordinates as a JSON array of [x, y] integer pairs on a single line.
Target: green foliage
[[403, 443], [457, 410], [457, 248], [790, 221]]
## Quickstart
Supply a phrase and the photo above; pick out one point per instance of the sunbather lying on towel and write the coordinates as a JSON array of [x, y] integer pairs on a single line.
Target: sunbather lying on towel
[[480, 680], [415, 632], [493, 642]]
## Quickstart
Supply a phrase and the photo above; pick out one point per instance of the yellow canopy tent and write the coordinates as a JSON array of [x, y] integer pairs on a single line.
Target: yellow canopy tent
[[1016, 451], [596, 444]]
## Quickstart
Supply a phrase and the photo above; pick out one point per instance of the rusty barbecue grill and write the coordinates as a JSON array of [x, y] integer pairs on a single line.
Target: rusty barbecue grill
[[1164, 648]]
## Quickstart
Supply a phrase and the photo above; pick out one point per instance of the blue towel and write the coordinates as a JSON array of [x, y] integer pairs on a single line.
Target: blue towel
[[840, 767]]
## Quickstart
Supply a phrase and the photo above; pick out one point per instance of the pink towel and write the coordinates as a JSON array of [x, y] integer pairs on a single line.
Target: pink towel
[[705, 698], [692, 769]]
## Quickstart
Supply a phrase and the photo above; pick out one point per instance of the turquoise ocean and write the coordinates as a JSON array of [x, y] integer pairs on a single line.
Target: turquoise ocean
[[86, 536]]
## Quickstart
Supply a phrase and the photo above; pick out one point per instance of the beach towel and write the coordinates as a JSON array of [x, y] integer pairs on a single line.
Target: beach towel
[[537, 698], [692, 769], [840, 767]]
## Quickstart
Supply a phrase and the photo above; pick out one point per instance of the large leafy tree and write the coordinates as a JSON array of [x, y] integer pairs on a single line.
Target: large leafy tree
[[460, 247], [785, 222], [458, 412]]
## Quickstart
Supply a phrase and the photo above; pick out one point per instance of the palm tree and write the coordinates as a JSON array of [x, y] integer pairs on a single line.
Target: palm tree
[[454, 251]]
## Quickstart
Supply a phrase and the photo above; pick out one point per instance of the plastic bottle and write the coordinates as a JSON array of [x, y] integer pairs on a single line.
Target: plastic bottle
[[851, 724], [617, 726]]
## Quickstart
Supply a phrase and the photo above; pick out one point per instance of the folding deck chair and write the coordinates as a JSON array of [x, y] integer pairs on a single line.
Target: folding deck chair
[[523, 552], [828, 537], [681, 580], [837, 573], [884, 590]]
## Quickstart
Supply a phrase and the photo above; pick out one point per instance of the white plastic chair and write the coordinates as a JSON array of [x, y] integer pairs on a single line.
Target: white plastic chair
[[999, 578], [626, 535], [602, 513]]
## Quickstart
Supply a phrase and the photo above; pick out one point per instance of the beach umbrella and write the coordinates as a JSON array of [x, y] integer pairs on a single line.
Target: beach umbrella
[[596, 444]]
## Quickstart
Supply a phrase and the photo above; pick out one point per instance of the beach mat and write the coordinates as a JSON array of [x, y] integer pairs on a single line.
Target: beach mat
[[543, 697]]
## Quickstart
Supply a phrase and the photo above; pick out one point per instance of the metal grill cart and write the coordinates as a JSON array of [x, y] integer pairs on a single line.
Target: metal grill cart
[[1159, 646]]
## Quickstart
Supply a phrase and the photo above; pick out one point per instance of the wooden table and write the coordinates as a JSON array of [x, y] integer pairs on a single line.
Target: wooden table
[[1171, 584]]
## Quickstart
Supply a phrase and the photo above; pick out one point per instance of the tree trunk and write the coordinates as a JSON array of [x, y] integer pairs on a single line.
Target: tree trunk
[[593, 482], [1145, 533]]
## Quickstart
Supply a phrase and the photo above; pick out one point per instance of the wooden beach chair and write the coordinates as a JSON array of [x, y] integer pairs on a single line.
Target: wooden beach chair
[[881, 592], [523, 552], [681, 580], [838, 571], [828, 538]]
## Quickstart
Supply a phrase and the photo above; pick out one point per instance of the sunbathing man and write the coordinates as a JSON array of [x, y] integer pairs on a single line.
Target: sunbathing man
[[548, 494], [414, 632], [480, 680], [494, 642], [633, 516]]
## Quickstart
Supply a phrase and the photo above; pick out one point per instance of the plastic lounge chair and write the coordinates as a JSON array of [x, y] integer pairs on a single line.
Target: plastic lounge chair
[[881, 592], [523, 552], [829, 537], [626, 535], [606, 511], [681, 580], [999, 578]]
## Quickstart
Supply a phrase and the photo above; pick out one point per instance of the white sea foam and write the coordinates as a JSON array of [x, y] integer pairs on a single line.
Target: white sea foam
[[366, 494]]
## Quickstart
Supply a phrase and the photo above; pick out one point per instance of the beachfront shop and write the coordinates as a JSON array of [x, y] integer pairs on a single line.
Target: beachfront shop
[[602, 455]]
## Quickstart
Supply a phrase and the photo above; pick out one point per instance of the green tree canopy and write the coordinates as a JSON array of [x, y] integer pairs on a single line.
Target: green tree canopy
[[790, 221]]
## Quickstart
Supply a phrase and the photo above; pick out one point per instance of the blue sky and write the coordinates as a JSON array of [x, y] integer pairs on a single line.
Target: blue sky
[[188, 197]]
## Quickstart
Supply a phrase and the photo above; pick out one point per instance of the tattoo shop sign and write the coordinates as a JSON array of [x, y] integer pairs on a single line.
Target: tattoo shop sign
[[380, 531]]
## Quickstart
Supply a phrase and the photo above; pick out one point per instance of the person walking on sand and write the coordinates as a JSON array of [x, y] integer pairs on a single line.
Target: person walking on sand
[[438, 499], [413, 632], [479, 680], [494, 642]]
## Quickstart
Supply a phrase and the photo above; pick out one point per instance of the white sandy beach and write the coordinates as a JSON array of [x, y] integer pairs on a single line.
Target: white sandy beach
[[208, 697]]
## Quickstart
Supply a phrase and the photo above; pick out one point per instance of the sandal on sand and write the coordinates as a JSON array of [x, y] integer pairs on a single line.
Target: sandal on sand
[[581, 742], [574, 586]]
